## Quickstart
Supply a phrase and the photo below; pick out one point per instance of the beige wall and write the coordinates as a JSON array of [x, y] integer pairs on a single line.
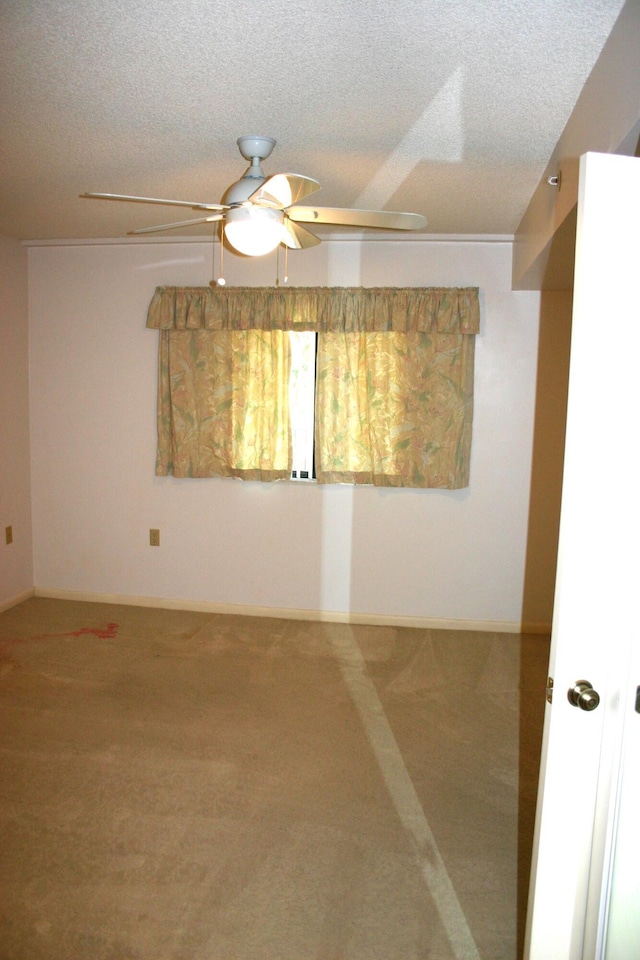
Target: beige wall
[[16, 562], [410, 555]]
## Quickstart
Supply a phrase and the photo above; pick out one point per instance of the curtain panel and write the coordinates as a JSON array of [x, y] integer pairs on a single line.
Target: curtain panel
[[394, 382], [394, 409]]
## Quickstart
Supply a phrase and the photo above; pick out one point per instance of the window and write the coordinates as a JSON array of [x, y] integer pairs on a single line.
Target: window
[[302, 389], [387, 372]]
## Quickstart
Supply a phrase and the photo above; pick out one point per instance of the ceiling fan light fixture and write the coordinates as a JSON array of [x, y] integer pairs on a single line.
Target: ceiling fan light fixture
[[260, 212], [254, 231]]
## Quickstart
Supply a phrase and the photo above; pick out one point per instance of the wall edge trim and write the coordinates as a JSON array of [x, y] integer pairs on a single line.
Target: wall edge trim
[[19, 598], [292, 613]]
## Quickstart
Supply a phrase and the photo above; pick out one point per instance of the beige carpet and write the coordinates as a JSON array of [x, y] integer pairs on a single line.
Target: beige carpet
[[181, 786]]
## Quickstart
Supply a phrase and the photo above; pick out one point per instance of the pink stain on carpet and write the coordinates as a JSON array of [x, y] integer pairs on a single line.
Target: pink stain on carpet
[[109, 632]]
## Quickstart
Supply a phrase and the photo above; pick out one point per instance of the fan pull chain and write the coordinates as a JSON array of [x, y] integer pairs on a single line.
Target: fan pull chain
[[221, 280], [286, 264]]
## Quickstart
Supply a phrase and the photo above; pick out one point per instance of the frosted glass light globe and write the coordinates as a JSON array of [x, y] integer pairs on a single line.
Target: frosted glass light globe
[[254, 231]]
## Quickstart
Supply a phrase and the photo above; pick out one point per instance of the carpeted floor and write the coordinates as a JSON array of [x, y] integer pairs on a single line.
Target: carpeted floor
[[182, 786]]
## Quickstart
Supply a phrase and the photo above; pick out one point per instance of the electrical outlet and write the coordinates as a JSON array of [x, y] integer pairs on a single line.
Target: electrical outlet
[[154, 538], [8, 535]]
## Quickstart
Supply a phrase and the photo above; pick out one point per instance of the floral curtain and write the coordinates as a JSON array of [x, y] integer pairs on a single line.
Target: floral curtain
[[394, 397], [394, 409], [223, 406]]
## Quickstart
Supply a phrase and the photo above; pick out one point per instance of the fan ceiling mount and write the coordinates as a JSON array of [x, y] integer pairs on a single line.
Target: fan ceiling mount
[[260, 212], [256, 147]]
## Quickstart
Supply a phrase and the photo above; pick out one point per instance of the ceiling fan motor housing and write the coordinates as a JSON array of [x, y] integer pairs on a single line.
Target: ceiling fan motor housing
[[240, 191]]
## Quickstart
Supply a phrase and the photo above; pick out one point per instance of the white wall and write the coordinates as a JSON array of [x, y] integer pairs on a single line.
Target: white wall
[[16, 560], [427, 554]]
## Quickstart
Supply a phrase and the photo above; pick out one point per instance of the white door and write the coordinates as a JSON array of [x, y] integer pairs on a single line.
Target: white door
[[622, 934], [586, 771]]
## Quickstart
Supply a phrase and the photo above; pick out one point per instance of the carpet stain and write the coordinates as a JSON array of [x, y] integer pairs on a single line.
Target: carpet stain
[[109, 632]]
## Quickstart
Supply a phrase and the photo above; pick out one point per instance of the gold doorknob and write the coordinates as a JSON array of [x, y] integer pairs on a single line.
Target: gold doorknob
[[582, 695]]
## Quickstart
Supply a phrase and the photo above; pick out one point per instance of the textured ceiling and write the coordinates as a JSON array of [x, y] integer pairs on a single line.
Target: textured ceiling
[[448, 108]]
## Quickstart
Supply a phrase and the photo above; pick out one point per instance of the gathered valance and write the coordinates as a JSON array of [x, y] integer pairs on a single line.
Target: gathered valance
[[322, 309]]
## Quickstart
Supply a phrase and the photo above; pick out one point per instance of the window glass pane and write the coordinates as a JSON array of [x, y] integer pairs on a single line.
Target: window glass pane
[[301, 400]]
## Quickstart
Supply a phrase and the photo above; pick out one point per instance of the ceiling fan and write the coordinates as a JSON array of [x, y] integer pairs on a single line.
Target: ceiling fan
[[260, 212]]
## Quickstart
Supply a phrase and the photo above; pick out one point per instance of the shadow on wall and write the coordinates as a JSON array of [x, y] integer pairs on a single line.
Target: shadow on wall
[[548, 458]]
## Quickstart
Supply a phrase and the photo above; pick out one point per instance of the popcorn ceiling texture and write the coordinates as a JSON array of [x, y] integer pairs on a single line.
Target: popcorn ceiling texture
[[449, 108]]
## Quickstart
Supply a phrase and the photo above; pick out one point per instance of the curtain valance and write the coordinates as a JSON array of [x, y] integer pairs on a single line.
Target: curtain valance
[[323, 309]]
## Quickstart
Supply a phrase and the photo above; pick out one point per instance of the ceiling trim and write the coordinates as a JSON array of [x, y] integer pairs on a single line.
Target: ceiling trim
[[423, 238]]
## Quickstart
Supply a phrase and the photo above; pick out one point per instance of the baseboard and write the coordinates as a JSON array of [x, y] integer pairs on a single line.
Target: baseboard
[[540, 629], [286, 613], [14, 601]]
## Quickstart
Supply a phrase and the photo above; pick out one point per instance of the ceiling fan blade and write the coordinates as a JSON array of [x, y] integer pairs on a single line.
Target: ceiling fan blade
[[180, 223], [385, 219], [168, 203], [283, 189], [298, 238]]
